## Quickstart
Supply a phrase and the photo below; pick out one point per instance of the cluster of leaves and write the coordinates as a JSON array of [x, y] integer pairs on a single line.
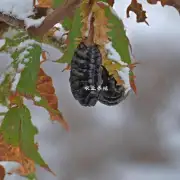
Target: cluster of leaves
[[25, 79]]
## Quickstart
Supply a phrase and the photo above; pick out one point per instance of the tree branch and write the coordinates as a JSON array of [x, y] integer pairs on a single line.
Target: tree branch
[[65, 10]]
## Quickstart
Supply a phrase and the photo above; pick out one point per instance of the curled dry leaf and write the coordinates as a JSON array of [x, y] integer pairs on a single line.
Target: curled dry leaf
[[137, 9], [10, 153], [45, 88], [173, 3]]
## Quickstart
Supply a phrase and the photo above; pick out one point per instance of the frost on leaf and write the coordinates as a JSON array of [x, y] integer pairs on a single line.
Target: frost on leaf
[[116, 53], [173, 3], [74, 34], [30, 72], [138, 10]]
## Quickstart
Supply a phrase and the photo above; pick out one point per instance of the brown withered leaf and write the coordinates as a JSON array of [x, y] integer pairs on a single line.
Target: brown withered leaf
[[2, 172], [138, 10], [85, 7], [100, 25], [47, 91], [173, 3], [10, 153]]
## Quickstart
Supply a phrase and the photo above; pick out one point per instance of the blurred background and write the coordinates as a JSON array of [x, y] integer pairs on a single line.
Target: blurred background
[[140, 138]]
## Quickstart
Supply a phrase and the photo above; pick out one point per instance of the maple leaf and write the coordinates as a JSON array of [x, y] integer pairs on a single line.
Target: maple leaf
[[46, 90], [30, 72], [72, 36], [86, 14], [137, 9], [11, 153], [117, 33], [173, 3], [113, 67], [18, 131], [100, 25]]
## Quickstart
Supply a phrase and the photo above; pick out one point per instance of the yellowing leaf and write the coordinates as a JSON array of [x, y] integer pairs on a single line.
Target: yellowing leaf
[[11, 153], [137, 9], [113, 67], [85, 14], [18, 133]]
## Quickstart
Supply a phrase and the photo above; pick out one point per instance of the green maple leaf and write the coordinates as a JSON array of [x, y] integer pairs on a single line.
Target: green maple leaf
[[75, 32], [28, 79], [117, 34], [18, 130]]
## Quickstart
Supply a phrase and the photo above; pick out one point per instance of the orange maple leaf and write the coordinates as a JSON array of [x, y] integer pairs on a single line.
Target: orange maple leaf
[[45, 88], [10, 153]]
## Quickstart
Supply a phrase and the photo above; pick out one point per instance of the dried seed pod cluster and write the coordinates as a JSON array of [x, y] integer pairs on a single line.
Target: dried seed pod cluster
[[87, 71], [115, 93]]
